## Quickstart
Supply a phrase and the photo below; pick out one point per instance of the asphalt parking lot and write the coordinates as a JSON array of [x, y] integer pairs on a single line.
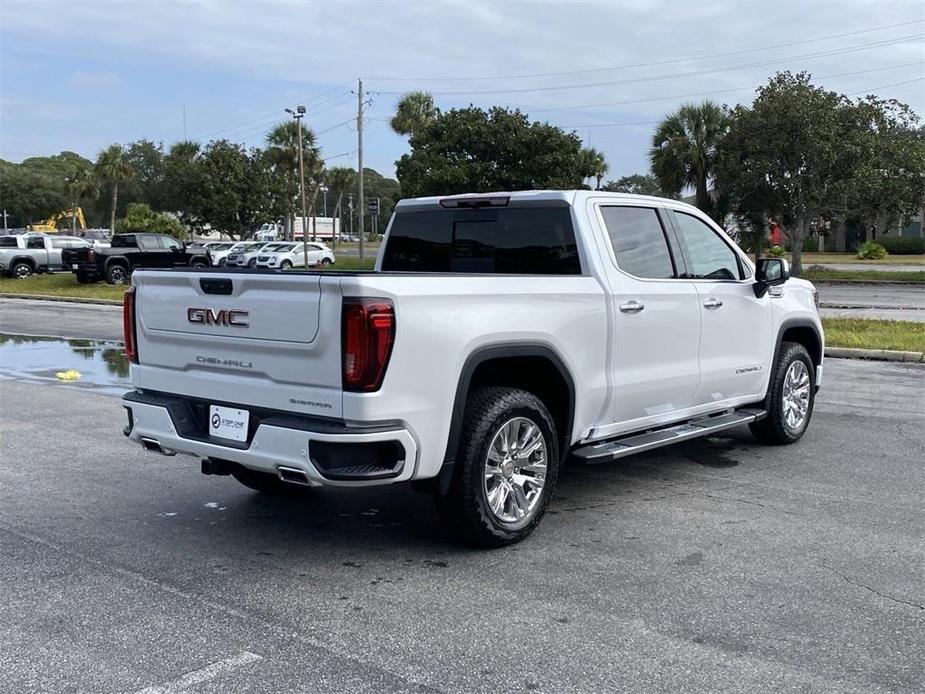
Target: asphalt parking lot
[[719, 565]]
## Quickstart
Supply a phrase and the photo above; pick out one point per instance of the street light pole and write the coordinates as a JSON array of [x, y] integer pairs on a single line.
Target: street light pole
[[297, 114]]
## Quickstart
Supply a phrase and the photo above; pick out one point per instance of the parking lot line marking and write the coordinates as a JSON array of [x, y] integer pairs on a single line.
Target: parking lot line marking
[[204, 674]]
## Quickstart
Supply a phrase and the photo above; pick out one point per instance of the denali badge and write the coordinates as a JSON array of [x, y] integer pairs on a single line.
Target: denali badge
[[224, 316]]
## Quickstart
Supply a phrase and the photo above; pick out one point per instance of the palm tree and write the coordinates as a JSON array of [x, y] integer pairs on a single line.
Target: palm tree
[[684, 151], [112, 168], [80, 184], [593, 165], [283, 148], [415, 111]]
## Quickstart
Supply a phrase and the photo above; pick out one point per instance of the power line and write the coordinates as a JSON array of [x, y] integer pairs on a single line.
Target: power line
[[727, 68], [884, 86], [651, 64], [708, 93], [653, 122]]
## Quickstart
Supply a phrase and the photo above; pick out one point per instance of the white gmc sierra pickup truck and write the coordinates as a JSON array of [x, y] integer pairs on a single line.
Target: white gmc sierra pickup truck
[[499, 335]]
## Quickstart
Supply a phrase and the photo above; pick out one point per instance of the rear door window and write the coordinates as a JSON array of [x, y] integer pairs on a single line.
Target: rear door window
[[510, 240], [639, 241], [8, 242]]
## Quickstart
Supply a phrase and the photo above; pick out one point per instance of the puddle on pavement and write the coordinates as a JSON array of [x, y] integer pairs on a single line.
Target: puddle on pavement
[[101, 363]]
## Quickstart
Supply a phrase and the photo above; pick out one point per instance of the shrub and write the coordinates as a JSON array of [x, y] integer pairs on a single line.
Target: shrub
[[903, 245], [871, 251], [776, 252], [140, 217]]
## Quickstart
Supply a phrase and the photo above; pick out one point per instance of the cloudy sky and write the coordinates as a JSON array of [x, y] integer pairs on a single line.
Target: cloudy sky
[[79, 75]]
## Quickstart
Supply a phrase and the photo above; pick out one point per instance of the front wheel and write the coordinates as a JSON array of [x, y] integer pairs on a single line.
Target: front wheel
[[791, 395], [505, 470], [252, 263], [326, 261], [285, 265]]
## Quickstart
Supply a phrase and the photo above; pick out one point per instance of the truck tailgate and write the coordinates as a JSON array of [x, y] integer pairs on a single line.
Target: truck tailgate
[[267, 340]]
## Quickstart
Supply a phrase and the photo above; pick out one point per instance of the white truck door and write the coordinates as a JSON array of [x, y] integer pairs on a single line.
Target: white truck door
[[737, 342], [656, 319]]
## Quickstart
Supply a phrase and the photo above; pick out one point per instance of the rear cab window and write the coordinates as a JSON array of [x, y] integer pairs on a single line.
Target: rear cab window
[[535, 240], [124, 241]]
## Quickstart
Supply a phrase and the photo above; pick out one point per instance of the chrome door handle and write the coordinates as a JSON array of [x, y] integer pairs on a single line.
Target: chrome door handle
[[712, 303], [631, 307]]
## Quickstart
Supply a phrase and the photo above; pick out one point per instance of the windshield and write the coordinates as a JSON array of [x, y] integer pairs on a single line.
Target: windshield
[[277, 248], [220, 247]]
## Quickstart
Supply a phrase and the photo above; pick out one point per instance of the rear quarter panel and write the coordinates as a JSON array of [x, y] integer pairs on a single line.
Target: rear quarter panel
[[442, 319]]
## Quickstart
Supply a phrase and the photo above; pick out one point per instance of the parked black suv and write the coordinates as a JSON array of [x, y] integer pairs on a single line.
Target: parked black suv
[[130, 252]]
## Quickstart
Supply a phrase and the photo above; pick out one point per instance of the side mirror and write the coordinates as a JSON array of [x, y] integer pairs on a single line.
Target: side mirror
[[768, 272]]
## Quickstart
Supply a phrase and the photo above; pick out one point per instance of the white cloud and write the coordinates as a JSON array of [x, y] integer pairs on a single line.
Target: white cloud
[[84, 79]]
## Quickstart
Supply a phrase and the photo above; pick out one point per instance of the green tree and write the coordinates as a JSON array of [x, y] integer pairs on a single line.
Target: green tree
[[473, 150], [341, 181], [234, 194], [593, 165], [140, 217], [685, 150], [147, 185], [415, 111], [636, 184], [182, 186], [888, 163], [112, 168], [283, 150], [786, 157], [81, 184]]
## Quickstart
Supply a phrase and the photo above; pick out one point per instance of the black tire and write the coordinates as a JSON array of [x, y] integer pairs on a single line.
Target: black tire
[[285, 265], [117, 273], [199, 264], [252, 263], [83, 278], [221, 262], [267, 483], [465, 508], [20, 270], [775, 428], [326, 261]]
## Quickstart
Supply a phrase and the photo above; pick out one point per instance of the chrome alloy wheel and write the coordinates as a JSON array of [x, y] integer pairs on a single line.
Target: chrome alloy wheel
[[515, 471], [795, 400]]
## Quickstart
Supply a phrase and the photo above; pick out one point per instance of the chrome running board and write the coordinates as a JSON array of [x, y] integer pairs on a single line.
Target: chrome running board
[[611, 449]]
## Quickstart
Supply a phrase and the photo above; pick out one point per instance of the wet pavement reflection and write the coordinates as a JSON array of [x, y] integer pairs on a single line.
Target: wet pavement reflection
[[101, 364]]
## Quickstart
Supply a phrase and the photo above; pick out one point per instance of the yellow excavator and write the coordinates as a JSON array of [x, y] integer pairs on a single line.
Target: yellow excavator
[[50, 225]]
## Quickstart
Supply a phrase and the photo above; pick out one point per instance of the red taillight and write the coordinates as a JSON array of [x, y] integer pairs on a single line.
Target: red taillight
[[91, 255], [128, 325], [368, 331]]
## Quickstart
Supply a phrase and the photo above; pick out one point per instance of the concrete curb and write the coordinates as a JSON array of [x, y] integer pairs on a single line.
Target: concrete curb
[[874, 354], [896, 283], [63, 299]]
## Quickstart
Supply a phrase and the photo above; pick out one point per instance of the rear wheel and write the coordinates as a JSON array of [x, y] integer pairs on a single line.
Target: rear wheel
[[21, 270], [505, 470], [199, 264], [117, 274], [791, 395], [266, 483]]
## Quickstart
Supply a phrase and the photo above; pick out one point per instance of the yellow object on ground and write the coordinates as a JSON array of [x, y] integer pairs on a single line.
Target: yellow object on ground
[[69, 375]]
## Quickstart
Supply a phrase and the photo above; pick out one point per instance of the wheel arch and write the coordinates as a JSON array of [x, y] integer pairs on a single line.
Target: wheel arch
[[534, 367], [804, 332], [28, 260]]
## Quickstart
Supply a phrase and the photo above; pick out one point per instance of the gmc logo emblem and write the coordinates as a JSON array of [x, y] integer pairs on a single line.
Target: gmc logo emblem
[[224, 316]]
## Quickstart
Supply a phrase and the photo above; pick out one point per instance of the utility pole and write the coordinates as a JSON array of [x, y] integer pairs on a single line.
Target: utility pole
[[350, 213], [297, 114], [360, 159]]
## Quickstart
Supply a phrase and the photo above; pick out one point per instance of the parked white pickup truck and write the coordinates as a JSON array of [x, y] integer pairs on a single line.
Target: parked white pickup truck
[[21, 255], [498, 336]]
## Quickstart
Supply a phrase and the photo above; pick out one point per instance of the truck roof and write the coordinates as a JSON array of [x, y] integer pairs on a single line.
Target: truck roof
[[570, 197]]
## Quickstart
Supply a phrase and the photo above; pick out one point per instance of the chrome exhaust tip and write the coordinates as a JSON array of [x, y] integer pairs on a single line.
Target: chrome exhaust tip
[[154, 446], [293, 476]]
